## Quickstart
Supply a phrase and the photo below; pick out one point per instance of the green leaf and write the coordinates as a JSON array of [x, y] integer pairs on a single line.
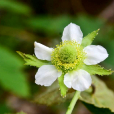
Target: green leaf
[[14, 6], [88, 23], [11, 76], [4, 108], [63, 87], [50, 95], [17, 113], [97, 110], [87, 40], [48, 24], [96, 69], [52, 26], [101, 98], [32, 60]]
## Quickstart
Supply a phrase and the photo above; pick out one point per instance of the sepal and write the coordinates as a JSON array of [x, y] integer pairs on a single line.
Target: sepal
[[63, 88], [32, 60], [97, 69], [87, 40]]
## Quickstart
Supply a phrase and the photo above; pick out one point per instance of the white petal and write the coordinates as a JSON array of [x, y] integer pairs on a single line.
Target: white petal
[[42, 52], [68, 79], [95, 54], [81, 80], [46, 75], [72, 32]]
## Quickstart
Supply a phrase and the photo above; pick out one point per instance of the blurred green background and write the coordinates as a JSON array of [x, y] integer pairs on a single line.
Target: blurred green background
[[24, 21]]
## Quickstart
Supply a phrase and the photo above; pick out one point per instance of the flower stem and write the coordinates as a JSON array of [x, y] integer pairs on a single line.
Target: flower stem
[[73, 102]]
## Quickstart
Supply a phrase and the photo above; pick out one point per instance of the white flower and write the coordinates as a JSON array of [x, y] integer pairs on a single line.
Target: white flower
[[77, 79]]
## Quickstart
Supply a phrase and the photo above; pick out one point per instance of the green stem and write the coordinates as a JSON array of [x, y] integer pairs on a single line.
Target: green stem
[[73, 102], [63, 87]]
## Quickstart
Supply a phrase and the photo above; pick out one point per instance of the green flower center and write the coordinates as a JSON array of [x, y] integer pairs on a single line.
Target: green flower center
[[68, 56]]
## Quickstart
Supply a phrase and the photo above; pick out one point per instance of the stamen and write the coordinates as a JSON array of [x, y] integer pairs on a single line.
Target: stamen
[[68, 56]]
